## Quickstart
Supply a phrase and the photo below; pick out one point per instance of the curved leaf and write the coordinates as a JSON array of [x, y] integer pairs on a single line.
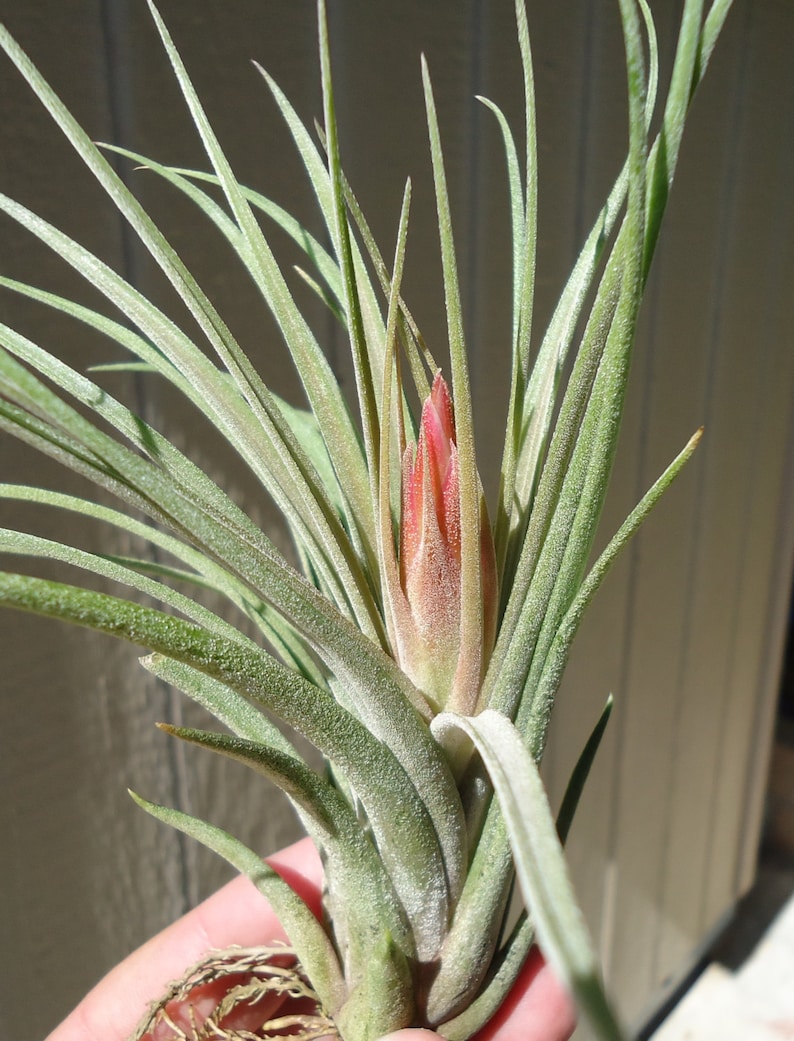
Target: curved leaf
[[581, 771], [363, 903], [322, 388], [182, 179], [502, 974], [549, 672], [407, 838], [264, 441], [539, 859], [307, 936]]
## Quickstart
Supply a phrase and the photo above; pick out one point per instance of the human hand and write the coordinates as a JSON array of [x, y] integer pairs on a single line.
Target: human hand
[[538, 1008]]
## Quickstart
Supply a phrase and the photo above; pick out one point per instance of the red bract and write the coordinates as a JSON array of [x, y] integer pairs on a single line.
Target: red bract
[[429, 640]]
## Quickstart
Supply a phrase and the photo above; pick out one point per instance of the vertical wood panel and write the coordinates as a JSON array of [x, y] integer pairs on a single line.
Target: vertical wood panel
[[581, 91], [761, 319], [667, 736], [77, 861], [719, 694], [685, 756], [86, 876], [218, 45]]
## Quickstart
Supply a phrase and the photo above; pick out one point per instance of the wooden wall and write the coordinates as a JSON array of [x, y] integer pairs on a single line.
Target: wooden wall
[[687, 631]]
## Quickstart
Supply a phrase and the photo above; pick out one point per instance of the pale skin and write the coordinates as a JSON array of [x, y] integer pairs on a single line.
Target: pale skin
[[538, 1009]]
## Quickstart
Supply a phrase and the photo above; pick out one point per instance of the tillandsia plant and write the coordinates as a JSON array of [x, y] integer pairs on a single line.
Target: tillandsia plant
[[421, 642]]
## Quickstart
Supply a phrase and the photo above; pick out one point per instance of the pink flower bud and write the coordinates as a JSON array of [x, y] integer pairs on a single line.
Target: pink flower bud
[[429, 645]]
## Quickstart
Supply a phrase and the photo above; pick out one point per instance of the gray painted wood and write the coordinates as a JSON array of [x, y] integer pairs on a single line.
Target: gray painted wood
[[75, 718], [686, 632]]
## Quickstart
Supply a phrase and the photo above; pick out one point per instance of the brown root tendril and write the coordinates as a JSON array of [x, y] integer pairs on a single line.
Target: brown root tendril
[[239, 994]]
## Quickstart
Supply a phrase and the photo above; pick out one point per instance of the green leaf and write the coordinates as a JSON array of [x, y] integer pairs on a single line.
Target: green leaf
[[573, 487], [261, 416], [191, 482], [182, 179], [23, 544], [471, 502], [380, 694], [222, 532], [539, 859], [473, 935], [323, 189], [229, 707], [99, 456], [424, 862], [532, 423], [206, 571], [395, 604], [322, 388], [581, 772], [572, 531], [503, 972], [516, 193], [362, 901], [420, 359], [312, 944], [363, 318], [362, 362], [278, 461], [551, 667], [524, 211]]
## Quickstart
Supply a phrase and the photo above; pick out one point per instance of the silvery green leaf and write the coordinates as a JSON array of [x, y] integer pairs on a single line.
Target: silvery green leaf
[[539, 859], [307, 936]]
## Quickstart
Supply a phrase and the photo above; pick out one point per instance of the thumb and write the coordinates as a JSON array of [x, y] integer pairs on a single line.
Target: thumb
[[412, 1034]]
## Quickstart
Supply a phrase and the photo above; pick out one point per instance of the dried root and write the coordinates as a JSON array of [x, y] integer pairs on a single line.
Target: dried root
[[239, 994]]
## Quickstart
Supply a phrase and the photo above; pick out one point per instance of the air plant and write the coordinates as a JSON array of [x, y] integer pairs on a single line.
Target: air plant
[[419, 645]]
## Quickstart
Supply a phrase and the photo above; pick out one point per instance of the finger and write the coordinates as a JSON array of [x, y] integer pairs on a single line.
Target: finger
[[236, 914], [537, 1009], [413, 1034]]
